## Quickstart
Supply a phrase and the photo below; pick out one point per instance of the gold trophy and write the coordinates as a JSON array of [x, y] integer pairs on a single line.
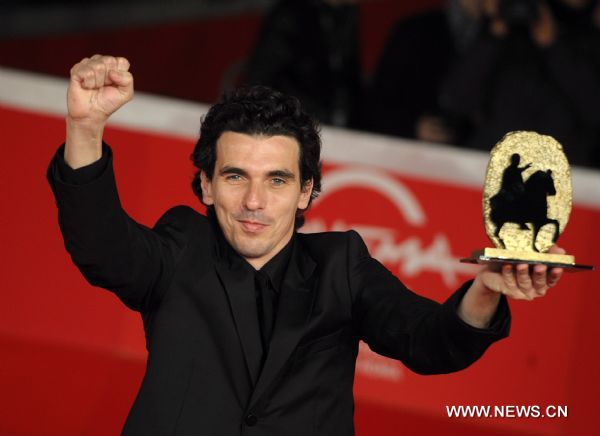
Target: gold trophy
[[527, 200]]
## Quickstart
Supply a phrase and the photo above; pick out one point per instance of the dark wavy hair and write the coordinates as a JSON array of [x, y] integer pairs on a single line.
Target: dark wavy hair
[[259, 110]]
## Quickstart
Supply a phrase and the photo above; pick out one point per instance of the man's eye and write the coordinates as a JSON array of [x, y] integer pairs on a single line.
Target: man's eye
[[234, 177], [277, 181]]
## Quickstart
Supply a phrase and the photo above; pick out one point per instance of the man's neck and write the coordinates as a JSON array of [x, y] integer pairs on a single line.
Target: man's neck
[[259, 263]]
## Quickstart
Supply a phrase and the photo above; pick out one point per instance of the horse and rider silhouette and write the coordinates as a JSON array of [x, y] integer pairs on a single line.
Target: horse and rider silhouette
[[521, 202]]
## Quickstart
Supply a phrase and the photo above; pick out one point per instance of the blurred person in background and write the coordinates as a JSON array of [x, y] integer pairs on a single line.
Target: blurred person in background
[[310, 49], [403, 97], [534, 66]]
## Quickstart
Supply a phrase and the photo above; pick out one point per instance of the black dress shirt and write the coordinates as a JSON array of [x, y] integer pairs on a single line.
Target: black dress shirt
[[267, 282]]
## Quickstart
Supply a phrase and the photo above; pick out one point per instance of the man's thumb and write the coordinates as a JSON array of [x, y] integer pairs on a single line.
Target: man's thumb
[[120, 78]]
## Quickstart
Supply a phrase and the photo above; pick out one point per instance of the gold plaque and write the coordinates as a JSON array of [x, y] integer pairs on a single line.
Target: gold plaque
[[527, 199]]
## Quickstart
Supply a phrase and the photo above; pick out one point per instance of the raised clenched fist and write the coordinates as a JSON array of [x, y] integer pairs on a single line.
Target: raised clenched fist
[[99, 86]]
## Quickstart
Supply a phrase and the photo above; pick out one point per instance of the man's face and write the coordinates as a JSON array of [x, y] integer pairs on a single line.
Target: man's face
[[256, 190]]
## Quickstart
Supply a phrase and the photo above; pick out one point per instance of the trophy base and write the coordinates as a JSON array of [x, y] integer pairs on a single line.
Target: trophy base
[[499, 255]]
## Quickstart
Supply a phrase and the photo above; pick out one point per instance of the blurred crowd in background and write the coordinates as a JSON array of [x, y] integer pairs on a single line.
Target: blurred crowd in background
[[461, 72], [465, 74]]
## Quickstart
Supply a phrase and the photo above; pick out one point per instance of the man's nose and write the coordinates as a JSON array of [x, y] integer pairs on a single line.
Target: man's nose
[[255, 197]]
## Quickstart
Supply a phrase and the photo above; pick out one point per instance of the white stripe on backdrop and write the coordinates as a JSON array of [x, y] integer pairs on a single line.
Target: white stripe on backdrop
[[45, 94]]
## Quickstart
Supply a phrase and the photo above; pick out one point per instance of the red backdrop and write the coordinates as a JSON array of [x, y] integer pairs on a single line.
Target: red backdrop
[[72, 357]]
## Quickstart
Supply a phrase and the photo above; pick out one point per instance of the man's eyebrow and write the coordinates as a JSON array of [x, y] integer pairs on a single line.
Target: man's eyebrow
[[232, 170], [283, 174]]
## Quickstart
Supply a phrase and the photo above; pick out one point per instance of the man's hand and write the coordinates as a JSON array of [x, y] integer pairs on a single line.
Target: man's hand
[[99, 86], [519, 282]]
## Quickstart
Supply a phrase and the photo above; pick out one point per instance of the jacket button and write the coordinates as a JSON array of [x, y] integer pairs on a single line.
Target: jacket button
[[251, 420]]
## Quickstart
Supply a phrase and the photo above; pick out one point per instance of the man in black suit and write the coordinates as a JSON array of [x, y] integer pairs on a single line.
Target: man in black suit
[[252, 328]]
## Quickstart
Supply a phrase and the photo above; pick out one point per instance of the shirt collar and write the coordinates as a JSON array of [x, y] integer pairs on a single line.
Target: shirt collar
[[276, 266]]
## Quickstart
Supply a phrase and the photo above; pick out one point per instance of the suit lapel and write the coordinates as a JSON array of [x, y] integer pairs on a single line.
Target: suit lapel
[[293, 311], [239, 286]]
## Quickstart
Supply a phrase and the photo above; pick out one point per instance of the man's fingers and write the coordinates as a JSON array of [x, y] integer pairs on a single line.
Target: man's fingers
[[523, 277], [507, 275], [522, 281], [509, 282], [109, 61], [93, 73], [555, 249], [539, 279], [554, 276], [100, 74], [121, 78], [122, 64], [86, 75], [514, 281], [124, 82], [510, 286]]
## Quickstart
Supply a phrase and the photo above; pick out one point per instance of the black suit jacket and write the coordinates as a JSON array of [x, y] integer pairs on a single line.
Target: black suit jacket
[[203, 372]]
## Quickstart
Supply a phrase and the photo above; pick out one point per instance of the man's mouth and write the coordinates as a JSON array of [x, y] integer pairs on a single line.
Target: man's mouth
[[252, 226]]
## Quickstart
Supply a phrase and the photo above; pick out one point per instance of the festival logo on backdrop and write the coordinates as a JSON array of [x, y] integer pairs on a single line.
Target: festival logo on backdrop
[[405, 254]]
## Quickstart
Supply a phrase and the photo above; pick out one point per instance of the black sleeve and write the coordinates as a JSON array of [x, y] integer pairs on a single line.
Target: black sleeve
[[81, 175], [428, 337], [111, 249]]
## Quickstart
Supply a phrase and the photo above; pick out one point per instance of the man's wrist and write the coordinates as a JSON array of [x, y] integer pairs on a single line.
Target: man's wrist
[[83, 144], [478, 305]]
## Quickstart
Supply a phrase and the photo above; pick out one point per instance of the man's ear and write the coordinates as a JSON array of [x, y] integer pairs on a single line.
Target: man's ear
[[206, 185], [305, 194]]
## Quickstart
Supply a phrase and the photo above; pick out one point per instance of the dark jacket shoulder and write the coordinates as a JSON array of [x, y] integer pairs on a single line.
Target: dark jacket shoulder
[[184, 215], [323, 246]]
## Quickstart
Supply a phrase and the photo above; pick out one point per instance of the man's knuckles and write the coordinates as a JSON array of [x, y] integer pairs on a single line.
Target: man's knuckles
[[99, 62], [122, 64]]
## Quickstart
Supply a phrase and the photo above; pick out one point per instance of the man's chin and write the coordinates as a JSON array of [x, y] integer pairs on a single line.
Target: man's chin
[[249, 250]]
